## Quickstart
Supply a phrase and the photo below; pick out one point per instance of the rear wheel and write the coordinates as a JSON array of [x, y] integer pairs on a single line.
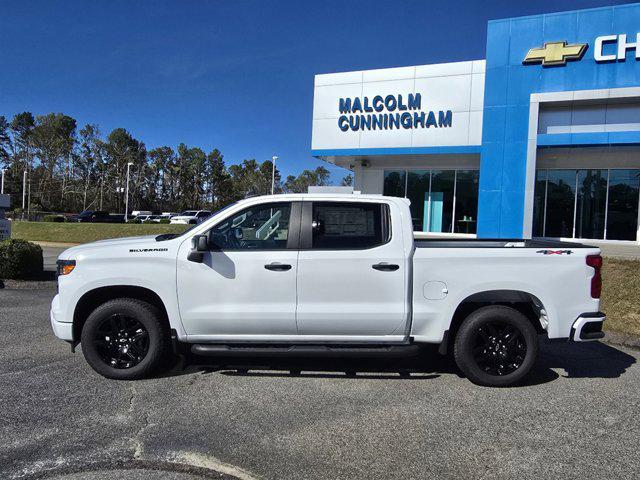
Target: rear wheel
[[496, 346], [125, 339]]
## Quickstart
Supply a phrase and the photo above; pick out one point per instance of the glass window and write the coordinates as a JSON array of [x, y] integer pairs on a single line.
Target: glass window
[[561, 190], [440, 214], [539, 197], [622, 214], [591, 203], [339, 225], [261, 227], [418, 193], [394, 183], [466, 220]]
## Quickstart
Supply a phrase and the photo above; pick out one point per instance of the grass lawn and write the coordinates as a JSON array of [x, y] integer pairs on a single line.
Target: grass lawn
[[86, 232], [620, 295]]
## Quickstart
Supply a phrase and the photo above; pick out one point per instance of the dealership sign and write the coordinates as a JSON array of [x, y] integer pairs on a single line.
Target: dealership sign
[[389, 112], [558, 53]]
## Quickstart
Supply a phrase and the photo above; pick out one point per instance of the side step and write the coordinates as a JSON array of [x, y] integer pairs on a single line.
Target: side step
[[304, 350]]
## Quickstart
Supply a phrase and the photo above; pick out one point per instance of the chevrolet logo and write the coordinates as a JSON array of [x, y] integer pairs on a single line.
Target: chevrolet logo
[[555, 53]]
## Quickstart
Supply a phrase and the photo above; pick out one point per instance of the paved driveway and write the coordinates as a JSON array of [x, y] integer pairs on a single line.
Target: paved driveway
[[577, 418]]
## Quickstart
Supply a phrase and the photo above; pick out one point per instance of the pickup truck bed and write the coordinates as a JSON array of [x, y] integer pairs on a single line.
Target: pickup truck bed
[[495, 243]]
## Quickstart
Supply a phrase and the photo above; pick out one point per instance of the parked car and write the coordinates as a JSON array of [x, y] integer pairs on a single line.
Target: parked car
[[138, 213], [191, 217], [326, 275], [98, 216]]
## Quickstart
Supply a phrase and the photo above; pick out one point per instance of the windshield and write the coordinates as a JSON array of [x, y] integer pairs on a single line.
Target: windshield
[[189, 213], [169, 236]]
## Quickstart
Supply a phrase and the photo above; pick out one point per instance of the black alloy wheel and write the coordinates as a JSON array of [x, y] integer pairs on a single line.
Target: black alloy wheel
[[126, 339], [121, 341], [496, 346], [499, 348]]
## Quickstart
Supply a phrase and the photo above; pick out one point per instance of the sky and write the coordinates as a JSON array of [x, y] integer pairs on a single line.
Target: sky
[[236, 75]]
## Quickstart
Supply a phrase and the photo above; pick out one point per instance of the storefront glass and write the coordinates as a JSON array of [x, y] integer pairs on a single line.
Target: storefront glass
[[561, 193], [466, 208], [591, 203], [394, 183], [622, 212], [441, 200], [418, 193], [590, 199]]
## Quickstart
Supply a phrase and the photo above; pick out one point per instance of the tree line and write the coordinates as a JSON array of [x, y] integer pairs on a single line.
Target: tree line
[[70, 170]]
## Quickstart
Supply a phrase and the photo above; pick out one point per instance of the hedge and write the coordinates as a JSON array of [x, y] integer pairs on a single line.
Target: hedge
[[53, 218], [20, 259]]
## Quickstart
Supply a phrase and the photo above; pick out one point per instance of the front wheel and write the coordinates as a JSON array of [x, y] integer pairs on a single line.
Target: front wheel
[[496, 346], [125, 339]]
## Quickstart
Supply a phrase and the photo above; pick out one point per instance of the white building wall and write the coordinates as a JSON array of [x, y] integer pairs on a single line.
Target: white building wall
[[458, 87]]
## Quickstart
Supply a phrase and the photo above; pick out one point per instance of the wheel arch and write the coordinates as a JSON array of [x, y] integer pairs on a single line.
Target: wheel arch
[[97, 296], [524, 302]]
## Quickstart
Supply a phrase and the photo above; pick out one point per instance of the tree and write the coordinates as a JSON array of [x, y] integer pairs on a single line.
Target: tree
[[121, 149], [89, 163], [219, 186], [53, 138], [347, 181], [251, 178], [318, 177], [5, 142]]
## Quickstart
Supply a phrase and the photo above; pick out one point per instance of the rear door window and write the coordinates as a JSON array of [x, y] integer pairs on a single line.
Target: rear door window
[[349, 225]]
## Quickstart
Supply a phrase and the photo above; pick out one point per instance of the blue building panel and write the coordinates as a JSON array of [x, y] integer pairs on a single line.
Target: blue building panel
[[509, 85]]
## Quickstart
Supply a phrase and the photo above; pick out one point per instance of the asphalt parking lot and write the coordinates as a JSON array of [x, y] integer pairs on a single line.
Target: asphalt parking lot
[[414, 418]]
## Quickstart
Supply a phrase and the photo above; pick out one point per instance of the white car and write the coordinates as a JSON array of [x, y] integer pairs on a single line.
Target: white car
[[324, 274], [191, 217]]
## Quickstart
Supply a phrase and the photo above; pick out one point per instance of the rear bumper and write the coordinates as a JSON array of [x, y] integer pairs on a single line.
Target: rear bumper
[[62, 330], [588, 327]]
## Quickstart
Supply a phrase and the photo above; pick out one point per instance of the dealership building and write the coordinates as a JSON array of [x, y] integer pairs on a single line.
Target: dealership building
[[539, 139]]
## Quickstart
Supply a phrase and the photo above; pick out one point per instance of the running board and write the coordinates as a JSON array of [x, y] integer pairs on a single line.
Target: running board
[[304, 350]]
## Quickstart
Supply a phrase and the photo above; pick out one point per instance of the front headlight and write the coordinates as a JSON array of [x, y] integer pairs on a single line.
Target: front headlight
[[65, 267]]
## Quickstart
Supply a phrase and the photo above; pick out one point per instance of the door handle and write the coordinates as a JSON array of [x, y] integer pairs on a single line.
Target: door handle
[[385, 267], [277, 267]]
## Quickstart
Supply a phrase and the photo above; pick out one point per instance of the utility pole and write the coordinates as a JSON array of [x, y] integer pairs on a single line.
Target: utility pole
[[2, 183], [126, 202], [101, 188], [273, 173]]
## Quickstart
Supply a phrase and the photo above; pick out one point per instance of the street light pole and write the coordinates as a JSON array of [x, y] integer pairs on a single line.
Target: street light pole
[[24, 191], [126, 202], [273, 173], [2, 183]]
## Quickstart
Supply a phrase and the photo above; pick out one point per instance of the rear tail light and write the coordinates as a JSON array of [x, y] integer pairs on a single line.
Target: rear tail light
[[595, 262]]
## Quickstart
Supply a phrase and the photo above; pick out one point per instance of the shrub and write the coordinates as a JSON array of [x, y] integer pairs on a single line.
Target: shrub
[[164, 221], [20, 259], [134, 220], [53, 218]]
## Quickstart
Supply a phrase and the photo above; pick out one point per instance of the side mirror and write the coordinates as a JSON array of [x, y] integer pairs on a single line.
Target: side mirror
[[199, 245]]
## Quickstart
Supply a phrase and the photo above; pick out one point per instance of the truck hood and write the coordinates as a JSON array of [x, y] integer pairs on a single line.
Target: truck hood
[[133, 242]]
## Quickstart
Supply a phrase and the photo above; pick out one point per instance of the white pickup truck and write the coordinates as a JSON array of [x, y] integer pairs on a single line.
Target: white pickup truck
[[323, 274]]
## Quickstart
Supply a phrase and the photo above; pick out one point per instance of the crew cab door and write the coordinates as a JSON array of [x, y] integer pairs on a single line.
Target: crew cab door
[[246, 284], [351, 270]]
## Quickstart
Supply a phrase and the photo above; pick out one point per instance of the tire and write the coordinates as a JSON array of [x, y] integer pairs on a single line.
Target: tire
[[134, 354], [496, 346]]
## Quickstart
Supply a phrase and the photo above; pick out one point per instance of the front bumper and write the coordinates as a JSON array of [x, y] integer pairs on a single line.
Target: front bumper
[[588, 327], [62, 330]]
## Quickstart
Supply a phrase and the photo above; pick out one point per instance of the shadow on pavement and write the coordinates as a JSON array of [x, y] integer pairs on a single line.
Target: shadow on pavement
[[578, 360]]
